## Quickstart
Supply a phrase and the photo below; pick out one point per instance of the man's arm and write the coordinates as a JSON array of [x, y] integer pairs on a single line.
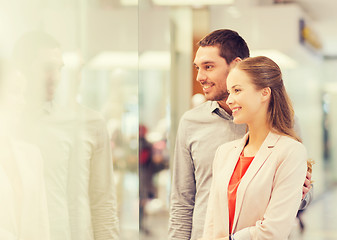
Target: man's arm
[[182, 189], [307, 186], [308, 193], [102, 189]]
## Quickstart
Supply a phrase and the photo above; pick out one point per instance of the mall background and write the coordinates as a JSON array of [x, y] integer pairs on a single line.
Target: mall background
[[138, 72]]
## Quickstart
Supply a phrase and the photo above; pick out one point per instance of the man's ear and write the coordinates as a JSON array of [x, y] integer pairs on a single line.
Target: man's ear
[[237, 59], [266, 92], [234, 62]]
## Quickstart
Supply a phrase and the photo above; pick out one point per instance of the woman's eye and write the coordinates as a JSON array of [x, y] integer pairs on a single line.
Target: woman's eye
[[236, 90]]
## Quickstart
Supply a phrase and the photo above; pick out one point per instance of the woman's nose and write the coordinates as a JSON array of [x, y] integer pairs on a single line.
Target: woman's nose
[[229, 100]]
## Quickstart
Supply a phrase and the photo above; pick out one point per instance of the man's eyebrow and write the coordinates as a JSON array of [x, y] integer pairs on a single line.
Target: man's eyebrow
[[205, 63]]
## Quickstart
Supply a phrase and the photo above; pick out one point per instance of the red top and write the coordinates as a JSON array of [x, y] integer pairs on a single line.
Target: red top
[[240, 170]]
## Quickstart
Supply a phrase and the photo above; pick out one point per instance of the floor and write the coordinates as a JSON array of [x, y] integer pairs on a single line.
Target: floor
[[321, 217], [320, 220]]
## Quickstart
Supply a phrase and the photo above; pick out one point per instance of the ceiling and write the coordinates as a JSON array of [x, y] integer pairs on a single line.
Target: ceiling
[[319, 9], [322, 13], [324, 16]]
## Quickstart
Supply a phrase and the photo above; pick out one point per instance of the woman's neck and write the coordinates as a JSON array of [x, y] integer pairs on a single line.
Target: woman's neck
[[256, 137]]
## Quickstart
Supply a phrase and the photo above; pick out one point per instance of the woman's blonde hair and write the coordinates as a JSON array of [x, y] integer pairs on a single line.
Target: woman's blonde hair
[[264, 73]]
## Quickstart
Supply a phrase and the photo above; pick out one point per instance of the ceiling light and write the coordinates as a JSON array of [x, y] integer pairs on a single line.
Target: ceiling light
[[191, 2], [155, 60], [283, 60], [129, 2], [108, 60], [131, 60]]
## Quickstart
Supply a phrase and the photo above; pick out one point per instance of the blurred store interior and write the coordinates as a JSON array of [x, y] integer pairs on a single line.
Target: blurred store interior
[[299, 35], [135, 60]]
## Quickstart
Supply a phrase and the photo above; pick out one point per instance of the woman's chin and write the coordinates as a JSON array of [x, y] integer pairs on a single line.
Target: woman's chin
[[238, 121]]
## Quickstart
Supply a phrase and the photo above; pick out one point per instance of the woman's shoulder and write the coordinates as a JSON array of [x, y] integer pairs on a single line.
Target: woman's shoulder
[[225, 148], [231, 144], [288, 141], [290, 146]]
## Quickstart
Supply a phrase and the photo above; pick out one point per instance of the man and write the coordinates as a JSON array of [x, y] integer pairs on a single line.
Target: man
[[74, 144], [202, 130]]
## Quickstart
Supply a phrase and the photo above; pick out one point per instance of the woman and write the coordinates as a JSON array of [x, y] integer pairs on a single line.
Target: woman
[[23, 208], [257, 180]]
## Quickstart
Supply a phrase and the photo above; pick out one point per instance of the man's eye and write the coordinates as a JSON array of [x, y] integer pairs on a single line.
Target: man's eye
[[208, 67]]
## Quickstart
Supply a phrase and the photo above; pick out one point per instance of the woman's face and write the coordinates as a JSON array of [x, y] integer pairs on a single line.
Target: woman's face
[[248, 104], [12, 101], [12, 94]]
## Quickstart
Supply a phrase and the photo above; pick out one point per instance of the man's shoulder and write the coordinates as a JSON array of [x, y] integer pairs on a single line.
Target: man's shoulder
[[84, 114], [24, 146], [89, 114], [199, 112]]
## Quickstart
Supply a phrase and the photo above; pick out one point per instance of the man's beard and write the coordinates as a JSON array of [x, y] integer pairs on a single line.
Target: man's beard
[[221, 96]]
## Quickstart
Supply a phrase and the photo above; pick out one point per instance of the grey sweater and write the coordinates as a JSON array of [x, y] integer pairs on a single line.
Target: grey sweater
[[201, 131]]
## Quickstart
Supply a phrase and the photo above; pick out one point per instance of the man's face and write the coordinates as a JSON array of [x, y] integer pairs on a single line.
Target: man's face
[[48, 70], [212, 72]]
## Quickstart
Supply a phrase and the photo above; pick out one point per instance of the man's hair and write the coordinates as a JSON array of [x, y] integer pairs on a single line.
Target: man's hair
[[230, 44], [27, 48]]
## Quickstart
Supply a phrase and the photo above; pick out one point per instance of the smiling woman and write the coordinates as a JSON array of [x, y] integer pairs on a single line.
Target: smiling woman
[[261, 78], [268, 165], [22, 184], [244, 100]]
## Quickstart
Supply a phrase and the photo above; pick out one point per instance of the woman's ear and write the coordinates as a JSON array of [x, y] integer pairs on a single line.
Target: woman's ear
[[266, 92]]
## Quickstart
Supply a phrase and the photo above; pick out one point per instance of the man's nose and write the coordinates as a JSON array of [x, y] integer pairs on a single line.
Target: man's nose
[[201, 77]]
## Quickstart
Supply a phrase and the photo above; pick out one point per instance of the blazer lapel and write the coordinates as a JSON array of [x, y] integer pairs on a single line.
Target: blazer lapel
[[259, 159], [232, 159], [225, 173]]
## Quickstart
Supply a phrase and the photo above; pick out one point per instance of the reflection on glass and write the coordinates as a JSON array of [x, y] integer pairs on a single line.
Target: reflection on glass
[[153, 149], [22, 185], [74, 144], [69, 122]]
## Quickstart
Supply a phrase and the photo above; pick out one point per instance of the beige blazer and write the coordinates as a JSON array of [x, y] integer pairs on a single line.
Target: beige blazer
[[24, 215], [268, 196]]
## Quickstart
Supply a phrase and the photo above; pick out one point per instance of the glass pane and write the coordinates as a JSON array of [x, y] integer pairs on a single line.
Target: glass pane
[[154, 120], [69, 119]]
